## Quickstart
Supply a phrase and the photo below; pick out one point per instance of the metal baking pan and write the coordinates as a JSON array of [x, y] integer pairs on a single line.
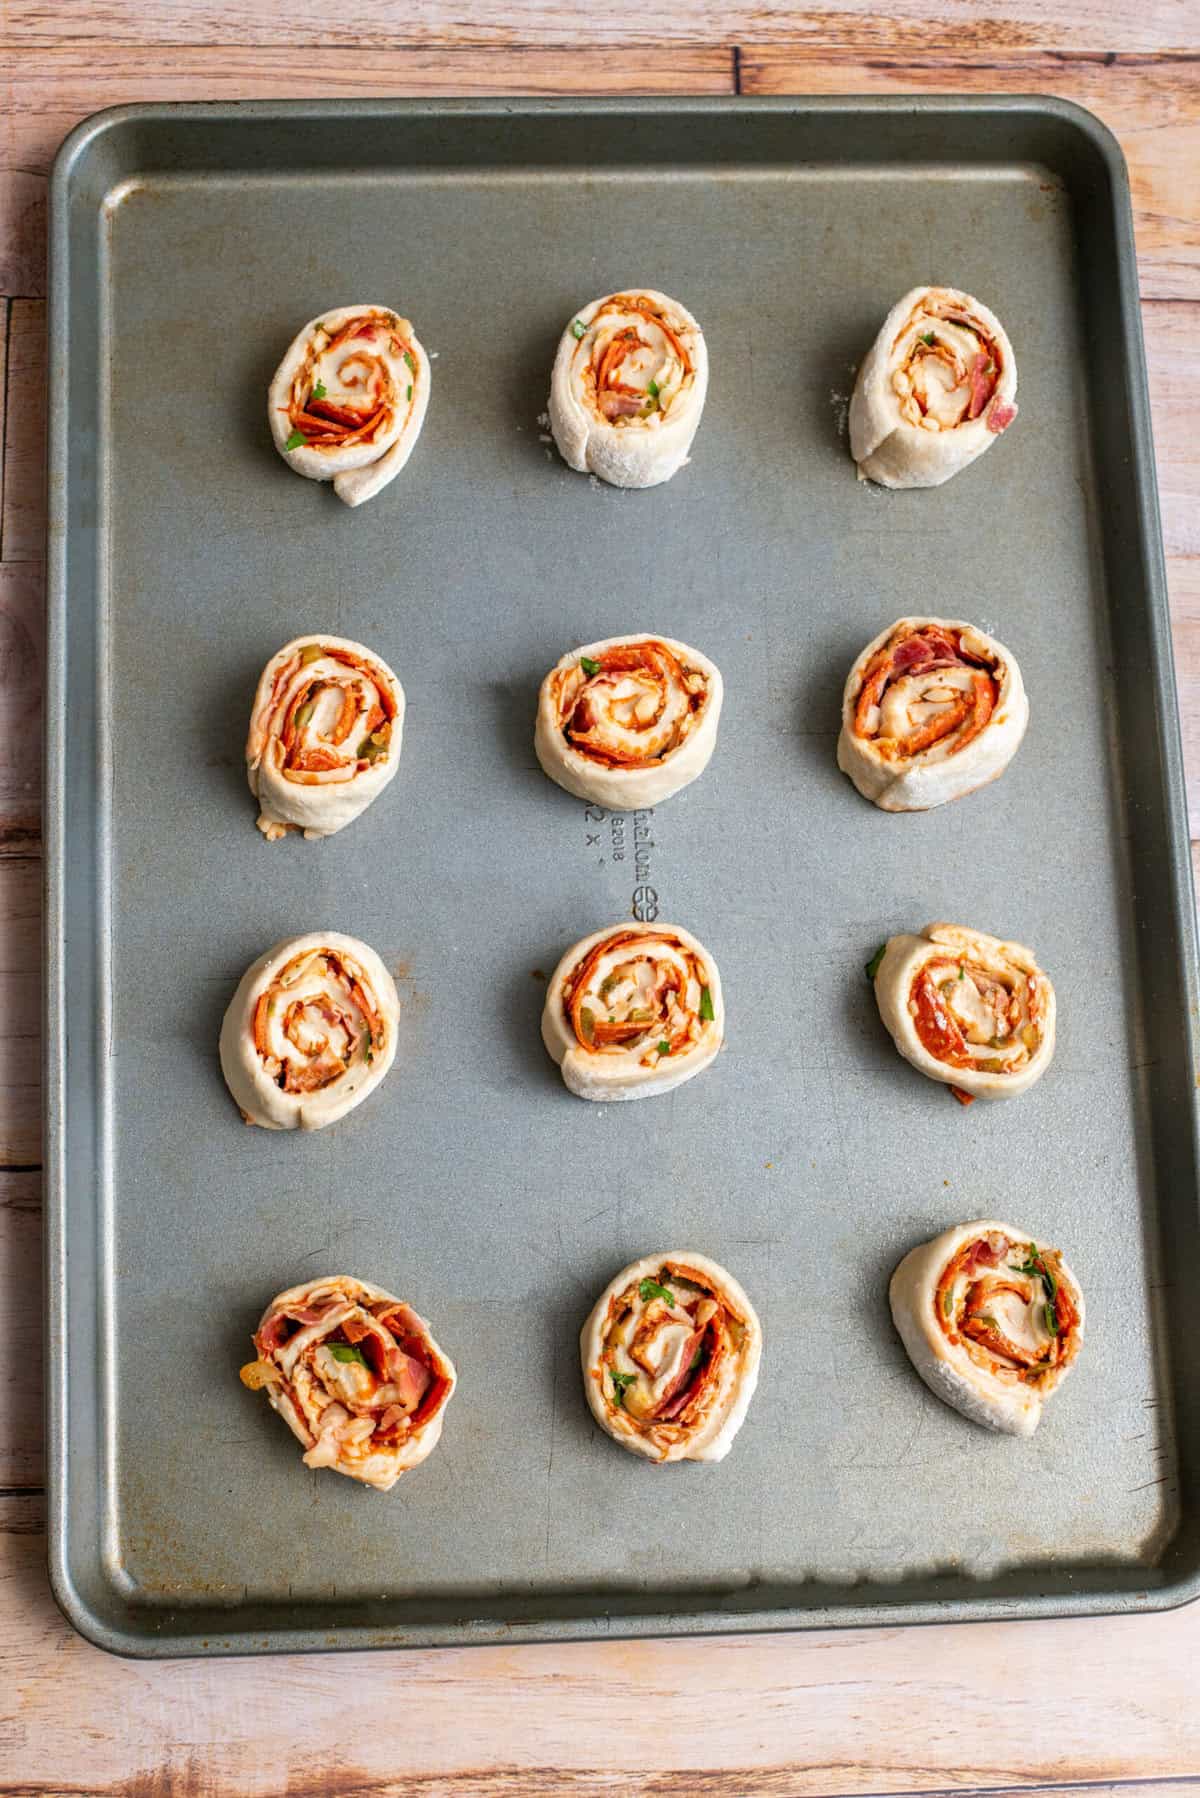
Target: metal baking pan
[[188, 244]]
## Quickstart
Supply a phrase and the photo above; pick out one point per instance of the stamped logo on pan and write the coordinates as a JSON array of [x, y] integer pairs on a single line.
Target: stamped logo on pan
[[630, 843]]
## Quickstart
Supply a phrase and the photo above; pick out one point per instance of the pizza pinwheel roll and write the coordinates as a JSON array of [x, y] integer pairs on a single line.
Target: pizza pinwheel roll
[[356, 1376], [937, 387], [991, 1321], [348, 400], [966, 1009], [324, 736], [628, 721], [632, 1011], [670, 1358], [932, 709], [310, 1031], [628, 387]]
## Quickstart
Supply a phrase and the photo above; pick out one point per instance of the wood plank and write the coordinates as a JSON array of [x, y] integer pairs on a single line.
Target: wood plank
[[858, 24], [20, 983], [22, 656], [50, 90], [21, 1364], [23, 520], [863, 1711], [1153, 106], [22, 231]]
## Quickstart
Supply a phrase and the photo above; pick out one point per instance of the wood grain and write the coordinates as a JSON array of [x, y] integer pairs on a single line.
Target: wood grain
[[861, 1711], [20, 1038], [21, 1364], [996, 1707], [23, 520], [22, 654], [50, 90], [964, 28], [1153, 105]]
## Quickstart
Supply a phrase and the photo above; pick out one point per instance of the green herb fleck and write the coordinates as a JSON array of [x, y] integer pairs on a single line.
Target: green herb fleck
[[578, 329], [304, 713], [620, 1382], [346, 1351], [587, 1020], [650, 1289], [652, 389], [873, 964], [962, 970], [1052, 1319], [927, 339], [409, 395], [1035, 1266], [696, 1360], [411, 360], [296, 440], [664, 1048], [319, 390], [589, 665], [706, 1005], [369, 1051]]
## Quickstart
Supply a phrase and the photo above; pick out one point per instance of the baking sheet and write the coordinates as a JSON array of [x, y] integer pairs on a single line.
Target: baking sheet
[[189, 243]]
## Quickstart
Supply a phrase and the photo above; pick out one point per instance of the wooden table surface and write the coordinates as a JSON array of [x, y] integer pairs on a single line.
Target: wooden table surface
[[981, 1707]]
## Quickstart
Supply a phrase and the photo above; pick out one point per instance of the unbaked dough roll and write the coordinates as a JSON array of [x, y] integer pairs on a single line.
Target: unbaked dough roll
[[932, 709], [356, 1376], [324, 738], [628, 387], [632, 1011], [992, 1322], [936, 388], [628, 721], [967, 1009], [348, 400], [310, 1031], [670, 1358]]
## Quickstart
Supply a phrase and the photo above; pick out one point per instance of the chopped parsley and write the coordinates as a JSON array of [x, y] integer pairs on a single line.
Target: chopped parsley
[[620, 1382], [319, 390], [578, 329], [927, 339], [296, 440], [664, 1048], [411, 360], [409, 390], [1037, 1269], [346, 1351], [652, 389], [589, 665], [873, 964], [650, 1289], [706, 1005]]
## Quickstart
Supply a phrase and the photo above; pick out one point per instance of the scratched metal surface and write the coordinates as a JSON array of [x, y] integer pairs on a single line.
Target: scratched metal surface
[[809, 1158]]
